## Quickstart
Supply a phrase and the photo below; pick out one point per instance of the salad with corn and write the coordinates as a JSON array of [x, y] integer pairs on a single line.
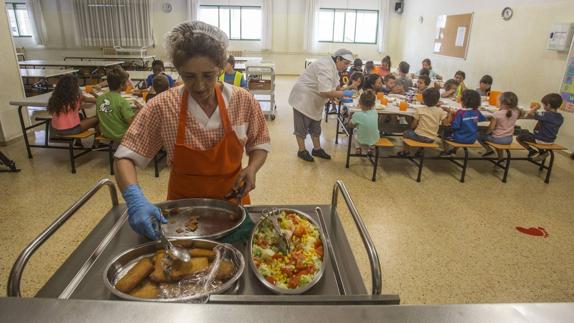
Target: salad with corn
[[304, 260]]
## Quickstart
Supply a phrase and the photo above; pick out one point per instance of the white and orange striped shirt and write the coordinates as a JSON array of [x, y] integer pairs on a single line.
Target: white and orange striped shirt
[[155, 126]]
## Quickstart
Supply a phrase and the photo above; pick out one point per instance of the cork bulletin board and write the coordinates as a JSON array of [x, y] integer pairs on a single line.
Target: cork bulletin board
[[452, 35]]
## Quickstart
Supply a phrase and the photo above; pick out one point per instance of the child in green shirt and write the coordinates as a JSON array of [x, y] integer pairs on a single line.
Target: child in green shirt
[[366, 121], [114, 112]]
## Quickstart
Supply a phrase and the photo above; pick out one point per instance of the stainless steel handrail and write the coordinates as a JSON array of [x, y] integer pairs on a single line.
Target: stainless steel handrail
[[367, 242], [331, 250], [18, 267]]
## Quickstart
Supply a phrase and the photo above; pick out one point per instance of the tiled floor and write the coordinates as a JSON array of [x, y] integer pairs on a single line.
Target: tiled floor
[[439, 241]]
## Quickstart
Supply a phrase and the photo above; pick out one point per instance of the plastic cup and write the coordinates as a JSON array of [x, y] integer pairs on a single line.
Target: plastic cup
[[89, 89], [384, 101], [493, 98], [419, 97], [403, 106]]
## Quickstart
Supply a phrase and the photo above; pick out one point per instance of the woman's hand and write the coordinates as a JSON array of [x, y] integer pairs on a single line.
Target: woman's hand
[[246, 178]]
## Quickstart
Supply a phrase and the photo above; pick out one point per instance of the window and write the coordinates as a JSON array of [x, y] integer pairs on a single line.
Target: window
[[111, 23], [348, 26], [19, 19], [238, 22]]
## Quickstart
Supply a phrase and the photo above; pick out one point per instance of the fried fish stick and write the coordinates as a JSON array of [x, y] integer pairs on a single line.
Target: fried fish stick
[[159, 274], [182, 269], [226, 270], [198, 252], [146, 290], [135, 275]]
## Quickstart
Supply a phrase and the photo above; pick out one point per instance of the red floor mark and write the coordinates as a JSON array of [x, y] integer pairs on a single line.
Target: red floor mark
[[538, 232]]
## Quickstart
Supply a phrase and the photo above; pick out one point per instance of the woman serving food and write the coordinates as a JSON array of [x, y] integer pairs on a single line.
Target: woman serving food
[[204, 125]]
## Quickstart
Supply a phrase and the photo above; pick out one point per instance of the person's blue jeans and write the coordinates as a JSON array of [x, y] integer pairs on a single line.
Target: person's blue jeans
[[411, 134], [495, 140]]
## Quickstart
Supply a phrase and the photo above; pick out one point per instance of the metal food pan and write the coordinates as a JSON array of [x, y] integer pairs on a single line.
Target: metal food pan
[[217, 218], [317, 277], [120, 265]]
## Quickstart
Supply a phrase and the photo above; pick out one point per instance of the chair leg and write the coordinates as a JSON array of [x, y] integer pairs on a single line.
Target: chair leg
[[349, 144], [337, 131], [376, 164], [541, 168], [464, 165], [47, 133], [550, 164], [111, 157], [421, 161], [507, 167], [71, 151]]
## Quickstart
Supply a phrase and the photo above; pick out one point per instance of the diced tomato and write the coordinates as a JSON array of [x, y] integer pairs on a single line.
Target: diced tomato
[[287, 271], [318, 243], [270, 279], [319, 251], [293, 281], [277, 255], [299, 231]]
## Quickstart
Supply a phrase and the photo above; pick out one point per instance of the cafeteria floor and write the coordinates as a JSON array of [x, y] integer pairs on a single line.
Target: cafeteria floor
[[439, 241]]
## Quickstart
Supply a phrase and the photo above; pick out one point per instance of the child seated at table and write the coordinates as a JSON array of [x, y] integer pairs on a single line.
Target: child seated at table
[[423, 83], [231, 76], [366, 122], [114, 112], [502, 124], [158, 68], [389, 84], [426, 65], [546, 130], [160, 84], [355, 82], [426, 120], [385, 68], [373, 82], [484, 85], [459, 77], [64, 107], [369, 67], [404, 79], [356, 67], [464, 127], [450, 87]]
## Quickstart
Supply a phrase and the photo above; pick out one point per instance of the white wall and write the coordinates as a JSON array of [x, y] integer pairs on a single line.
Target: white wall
[[513, 51], [12, 87]]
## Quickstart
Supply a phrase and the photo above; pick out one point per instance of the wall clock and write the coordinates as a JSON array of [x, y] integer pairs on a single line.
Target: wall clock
[[507, 13], [166, 7]]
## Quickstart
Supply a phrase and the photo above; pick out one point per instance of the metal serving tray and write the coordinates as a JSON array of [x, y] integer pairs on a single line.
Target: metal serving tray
[[216, 218], [80, 276]]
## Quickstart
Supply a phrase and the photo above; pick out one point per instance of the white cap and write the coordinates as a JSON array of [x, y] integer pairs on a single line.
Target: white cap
[[345, 53]]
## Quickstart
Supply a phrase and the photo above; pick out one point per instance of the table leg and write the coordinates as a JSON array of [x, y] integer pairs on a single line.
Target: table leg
[[24, 131]]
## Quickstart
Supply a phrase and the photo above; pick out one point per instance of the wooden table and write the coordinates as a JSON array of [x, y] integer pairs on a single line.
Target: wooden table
[[71, 63], [145, 60], [39, 101], [45, 73]]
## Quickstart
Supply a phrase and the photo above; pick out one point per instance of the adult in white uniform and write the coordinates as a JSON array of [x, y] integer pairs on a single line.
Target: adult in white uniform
[[318, 84]]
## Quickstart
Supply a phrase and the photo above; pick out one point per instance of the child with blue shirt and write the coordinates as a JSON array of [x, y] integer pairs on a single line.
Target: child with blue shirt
[[157, 68], [464, 126], [366, 121], [546, 130], [231, 76]]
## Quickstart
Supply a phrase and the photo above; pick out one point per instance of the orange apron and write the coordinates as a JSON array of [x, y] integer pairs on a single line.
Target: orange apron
[[207, 173]]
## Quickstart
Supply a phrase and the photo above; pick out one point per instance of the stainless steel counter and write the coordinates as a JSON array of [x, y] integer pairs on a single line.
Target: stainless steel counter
[[33, 310]]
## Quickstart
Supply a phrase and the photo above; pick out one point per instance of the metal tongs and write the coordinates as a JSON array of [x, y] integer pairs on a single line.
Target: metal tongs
[[271, 215], [237, 194]]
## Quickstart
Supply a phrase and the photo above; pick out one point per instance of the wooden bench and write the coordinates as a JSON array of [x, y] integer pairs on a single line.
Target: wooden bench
[[71, 140], [109, 147], [382, 143], [421, 157], [505, 148], [465, 148], [542, 164]]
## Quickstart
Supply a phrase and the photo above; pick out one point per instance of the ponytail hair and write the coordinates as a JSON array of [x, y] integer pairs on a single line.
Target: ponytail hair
[[510, 101]]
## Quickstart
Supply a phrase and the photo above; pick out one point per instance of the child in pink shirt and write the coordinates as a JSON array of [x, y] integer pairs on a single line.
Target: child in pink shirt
[[502, 123], [64, 107]]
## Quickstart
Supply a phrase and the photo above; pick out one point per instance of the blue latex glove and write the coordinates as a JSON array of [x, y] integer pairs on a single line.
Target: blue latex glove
[[348, 93], [347, 100], [141, 212]]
